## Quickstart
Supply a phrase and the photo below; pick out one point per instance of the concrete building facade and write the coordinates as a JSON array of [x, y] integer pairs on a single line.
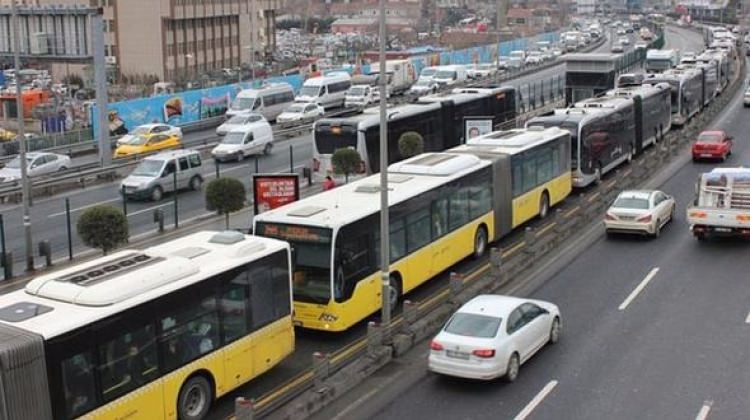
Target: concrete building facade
[[177, 39]]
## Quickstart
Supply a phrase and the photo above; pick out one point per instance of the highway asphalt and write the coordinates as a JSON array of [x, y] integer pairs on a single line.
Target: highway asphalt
[[653, 329]]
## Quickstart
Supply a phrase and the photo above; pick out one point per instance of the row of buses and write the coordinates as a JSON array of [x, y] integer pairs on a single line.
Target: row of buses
[[440, 119], [162, 332]]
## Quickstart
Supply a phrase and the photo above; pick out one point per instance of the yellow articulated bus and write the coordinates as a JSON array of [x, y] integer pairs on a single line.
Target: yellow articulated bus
[[443, 207], [152, 334], [531, 172]]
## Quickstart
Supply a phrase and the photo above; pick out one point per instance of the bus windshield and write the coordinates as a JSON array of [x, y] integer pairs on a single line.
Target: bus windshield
[[311, 259]]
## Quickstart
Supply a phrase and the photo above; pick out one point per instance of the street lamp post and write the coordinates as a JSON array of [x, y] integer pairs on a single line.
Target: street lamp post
[[384, 219], [26, 191]]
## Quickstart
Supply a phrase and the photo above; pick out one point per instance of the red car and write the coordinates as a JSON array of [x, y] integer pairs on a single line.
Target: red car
[[715, 144]]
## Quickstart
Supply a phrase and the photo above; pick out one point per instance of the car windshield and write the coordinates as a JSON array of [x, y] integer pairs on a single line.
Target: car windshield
[[309, 91], [473, 325], [140, 131], [631, 203], [16, 163], [136, 140], [244, 119], [710, 138], [428, 72], [233, 138], [446, 74], [148, 168], [242, 103], [357, 90], [296, 108]]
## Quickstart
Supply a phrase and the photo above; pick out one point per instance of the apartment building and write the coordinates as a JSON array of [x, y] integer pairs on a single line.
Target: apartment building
[[178, 39]]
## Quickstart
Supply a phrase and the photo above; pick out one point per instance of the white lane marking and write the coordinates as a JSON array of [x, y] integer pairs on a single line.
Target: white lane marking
[[112, 200], [531, 406], [703, 413], [747, 320], [136, 213], [639, 288]]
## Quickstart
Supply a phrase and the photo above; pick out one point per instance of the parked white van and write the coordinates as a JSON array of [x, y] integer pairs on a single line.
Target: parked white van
[[269, 101], [155, 175], [249, 139], [327, 91], [450, 75]]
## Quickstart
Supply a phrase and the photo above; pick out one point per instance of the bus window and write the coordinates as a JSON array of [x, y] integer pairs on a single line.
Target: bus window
[[193, 329], [233, 306], [127, 362], [439, 217], [78, 384], [459, 209], [354, 258], [418, 229], [398, 239]]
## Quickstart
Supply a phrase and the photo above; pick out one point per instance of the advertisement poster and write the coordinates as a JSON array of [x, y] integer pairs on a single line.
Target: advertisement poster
[[274, 190], [476, 128]]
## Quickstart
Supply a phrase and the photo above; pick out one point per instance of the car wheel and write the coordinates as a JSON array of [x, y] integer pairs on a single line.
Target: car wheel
[[267, 149], [555, 331], [657, 228], [544, 205], [671, 214], [240, 156], [156, 193], [514, 365], [195, 183], [480, 242], [194, 399], [62, 169]]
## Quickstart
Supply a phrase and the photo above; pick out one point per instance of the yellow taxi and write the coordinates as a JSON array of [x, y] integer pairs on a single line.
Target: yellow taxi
[[137, 145], [6, 135]]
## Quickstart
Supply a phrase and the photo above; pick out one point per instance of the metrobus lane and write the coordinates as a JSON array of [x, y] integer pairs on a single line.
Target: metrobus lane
[[352, 324]]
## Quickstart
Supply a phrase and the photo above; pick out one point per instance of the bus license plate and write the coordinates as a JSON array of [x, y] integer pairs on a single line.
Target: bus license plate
[[457, 354], [723, 229]]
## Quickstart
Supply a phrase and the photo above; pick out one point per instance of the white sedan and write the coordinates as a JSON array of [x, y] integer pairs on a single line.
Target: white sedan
[[148, 130], [300, 112], [492, 335], [640, 211], [37, 164], [624, 40], [239, 121]]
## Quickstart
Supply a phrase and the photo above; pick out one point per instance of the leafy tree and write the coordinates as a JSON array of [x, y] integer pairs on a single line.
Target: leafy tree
[[346, 161], [104, 227], [410, 144], [225, 195]]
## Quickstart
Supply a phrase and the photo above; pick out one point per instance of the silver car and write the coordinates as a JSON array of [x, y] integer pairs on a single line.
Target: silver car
[[163, 172], [37, 164]]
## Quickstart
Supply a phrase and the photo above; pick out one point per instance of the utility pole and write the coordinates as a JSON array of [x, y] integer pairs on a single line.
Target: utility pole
[[253, 32], [385, 263], [100, 83], [26, 191]]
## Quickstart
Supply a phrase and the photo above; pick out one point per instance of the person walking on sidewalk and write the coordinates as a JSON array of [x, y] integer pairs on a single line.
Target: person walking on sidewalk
[[329, 183]]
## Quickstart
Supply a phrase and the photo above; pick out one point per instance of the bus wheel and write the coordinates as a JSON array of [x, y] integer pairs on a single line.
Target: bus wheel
[[544, 205], [394, 293], [480, 242], [194, 400]]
